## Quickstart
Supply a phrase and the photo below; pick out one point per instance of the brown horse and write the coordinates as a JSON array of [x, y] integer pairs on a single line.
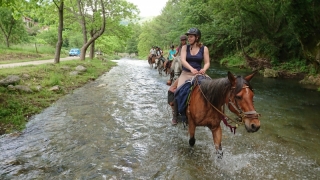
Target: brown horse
[[167, 67], [151, 60], [207, 100]]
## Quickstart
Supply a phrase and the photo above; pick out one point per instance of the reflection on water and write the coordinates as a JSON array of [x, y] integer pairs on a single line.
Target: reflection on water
[[118, 127]]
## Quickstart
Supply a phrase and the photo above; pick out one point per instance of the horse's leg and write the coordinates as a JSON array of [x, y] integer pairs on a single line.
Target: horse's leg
[[171, 76], [192, 130], [217, 136], [167, 67], [159, 68]]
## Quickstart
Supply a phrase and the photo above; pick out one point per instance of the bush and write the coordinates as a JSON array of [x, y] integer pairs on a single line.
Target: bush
[[233, 61]]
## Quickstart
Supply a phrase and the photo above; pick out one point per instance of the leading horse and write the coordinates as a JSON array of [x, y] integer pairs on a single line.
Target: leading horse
[[151, 60], [208, 98]]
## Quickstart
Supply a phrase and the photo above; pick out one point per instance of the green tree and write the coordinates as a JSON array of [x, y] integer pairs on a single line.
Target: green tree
[[12, 29], [132, 42], [106, 15]]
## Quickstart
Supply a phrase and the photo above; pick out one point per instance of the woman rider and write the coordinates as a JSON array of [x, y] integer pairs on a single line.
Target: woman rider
[[192, 56], [171, 54]]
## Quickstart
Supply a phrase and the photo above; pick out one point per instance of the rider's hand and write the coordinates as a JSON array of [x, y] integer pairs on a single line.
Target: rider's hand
[[194, 71], [202, 71]]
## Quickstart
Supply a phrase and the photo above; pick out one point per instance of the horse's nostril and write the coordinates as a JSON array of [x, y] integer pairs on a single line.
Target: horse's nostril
[[255, 127]]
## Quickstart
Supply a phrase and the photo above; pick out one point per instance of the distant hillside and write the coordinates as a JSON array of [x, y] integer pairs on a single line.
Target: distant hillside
[[140, 21], [143, 19]]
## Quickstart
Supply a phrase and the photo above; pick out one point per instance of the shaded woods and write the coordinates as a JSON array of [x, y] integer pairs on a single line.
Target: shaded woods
[[264, 33]]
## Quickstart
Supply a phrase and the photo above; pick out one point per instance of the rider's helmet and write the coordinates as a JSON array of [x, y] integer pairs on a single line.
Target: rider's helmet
[[172, 46], [183, 37], [196, 32]]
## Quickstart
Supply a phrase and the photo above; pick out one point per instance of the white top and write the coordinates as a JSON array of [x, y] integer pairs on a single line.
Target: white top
[[152, 51]]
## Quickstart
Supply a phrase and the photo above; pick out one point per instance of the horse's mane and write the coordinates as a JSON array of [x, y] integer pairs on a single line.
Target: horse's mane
[[216, 90]]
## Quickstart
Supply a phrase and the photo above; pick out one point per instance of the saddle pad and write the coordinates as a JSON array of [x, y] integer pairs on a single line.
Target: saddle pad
[[183, 92]]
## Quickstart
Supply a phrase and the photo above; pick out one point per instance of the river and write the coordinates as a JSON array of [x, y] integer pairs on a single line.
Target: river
[[118, 127]]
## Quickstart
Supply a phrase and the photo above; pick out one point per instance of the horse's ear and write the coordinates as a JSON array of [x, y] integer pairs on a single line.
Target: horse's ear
[[231, 78], [249, 77]]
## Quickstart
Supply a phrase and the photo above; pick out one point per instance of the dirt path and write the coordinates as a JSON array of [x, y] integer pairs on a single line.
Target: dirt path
[[35, 62]]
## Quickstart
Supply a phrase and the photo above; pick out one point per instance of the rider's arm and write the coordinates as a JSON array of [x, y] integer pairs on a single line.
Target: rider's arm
[[206, 61], [184, 58], [177, 52]]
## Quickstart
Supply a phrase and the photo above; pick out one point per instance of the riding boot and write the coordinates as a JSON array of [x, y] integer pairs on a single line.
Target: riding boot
[[174, 113]]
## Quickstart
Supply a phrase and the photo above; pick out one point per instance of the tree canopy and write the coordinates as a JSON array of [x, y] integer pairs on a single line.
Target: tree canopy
[[275, 31], [279, 31]]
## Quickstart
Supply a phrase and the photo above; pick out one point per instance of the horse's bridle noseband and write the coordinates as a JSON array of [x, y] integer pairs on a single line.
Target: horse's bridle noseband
[[248, 114]]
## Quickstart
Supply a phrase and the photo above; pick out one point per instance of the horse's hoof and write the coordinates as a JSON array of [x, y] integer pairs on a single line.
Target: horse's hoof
[[192, 141], [219, 154]]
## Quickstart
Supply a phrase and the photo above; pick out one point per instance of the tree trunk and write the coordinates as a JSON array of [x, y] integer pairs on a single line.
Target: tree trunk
[[92, 47], [7, 35], [84, 29], [35, 45], [60, 28], [7, 42]]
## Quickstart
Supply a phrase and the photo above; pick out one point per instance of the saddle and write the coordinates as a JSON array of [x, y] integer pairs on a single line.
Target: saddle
[[182, 94]]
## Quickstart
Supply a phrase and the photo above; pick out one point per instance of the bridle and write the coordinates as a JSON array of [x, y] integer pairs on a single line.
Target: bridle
[[241, 114]]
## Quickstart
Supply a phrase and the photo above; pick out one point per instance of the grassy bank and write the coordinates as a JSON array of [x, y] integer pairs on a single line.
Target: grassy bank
[[27, 52], [17, 107]]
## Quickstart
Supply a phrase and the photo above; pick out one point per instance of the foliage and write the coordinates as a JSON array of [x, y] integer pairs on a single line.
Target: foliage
[[50, 36], [279, 31], [12, 29], [72, 39], [110, 44], [295, 65], [233, 61], [132, 42]]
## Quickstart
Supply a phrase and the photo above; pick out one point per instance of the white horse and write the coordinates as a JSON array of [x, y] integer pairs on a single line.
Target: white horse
[[176, 68]]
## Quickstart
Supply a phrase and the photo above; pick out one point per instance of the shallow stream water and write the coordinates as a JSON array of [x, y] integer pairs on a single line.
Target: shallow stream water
[[118, 127]]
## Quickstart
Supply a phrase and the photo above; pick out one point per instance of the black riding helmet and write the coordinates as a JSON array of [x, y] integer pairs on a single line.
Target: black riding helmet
[[194, 31]]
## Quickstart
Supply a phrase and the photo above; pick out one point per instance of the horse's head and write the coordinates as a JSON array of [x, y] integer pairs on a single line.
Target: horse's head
[[240, 101], [176, 67]]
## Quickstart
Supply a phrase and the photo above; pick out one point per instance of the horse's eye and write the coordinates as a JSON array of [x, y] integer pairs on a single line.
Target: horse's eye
[[238, 97]]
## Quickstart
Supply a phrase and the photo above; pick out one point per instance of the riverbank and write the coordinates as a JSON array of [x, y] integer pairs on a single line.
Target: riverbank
[[36, 87], [299, 70]]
